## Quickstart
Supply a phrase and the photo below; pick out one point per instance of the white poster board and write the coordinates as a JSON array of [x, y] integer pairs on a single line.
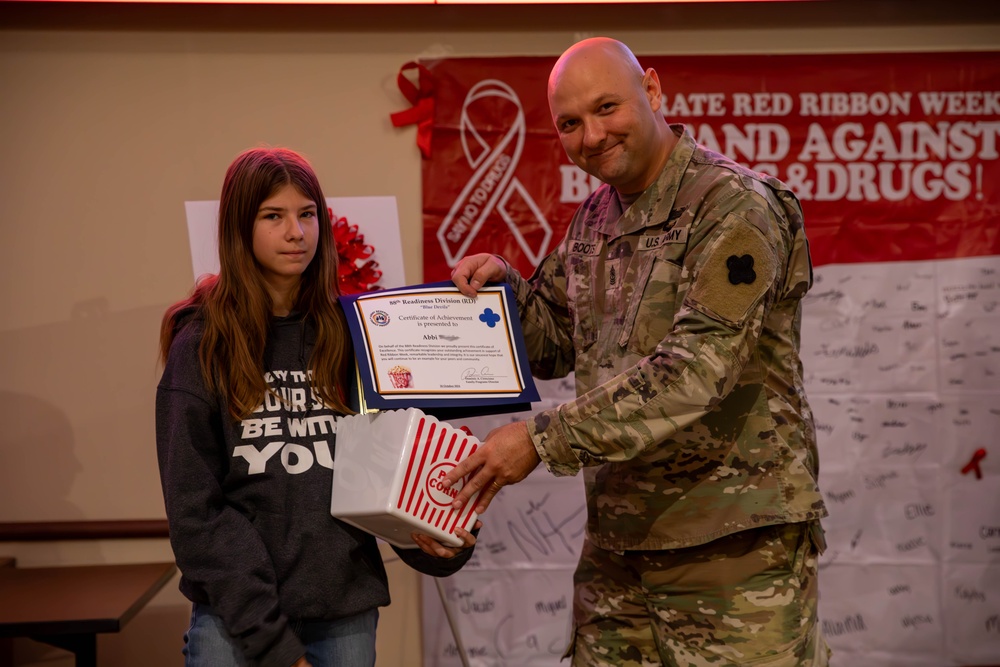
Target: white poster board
[[902, 364]]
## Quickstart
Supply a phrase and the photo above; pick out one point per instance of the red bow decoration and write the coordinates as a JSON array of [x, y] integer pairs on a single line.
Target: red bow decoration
[[421, 113], [357, 273]]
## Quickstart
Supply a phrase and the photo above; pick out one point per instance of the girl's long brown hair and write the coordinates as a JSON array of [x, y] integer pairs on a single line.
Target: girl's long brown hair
[[237, 308]]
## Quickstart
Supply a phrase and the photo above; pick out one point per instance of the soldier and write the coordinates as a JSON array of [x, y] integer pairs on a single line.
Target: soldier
[[675, 298]]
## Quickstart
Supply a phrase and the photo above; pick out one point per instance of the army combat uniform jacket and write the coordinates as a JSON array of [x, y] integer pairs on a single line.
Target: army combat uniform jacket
[[681, 320]]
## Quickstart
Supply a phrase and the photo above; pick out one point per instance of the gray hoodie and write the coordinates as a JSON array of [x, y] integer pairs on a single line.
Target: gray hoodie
[[248, 503]]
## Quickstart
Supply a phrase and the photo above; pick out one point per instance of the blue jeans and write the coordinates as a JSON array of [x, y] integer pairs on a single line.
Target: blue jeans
[[348, 642]]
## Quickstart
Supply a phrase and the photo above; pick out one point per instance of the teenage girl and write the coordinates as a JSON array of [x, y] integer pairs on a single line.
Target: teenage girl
[[255, 363]]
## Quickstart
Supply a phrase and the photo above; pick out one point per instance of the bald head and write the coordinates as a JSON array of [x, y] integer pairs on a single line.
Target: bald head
[[594, 57]]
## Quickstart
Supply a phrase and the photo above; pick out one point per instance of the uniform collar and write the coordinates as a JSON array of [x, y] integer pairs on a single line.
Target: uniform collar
[[655, 203]]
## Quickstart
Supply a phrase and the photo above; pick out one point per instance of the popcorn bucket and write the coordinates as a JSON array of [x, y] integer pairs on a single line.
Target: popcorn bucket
[[387, 476]]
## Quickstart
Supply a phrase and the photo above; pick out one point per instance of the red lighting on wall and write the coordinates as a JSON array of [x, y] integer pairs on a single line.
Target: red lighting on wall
[[405, 2]]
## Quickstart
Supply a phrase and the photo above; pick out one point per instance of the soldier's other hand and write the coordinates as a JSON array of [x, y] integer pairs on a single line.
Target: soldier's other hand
[[474, 271]]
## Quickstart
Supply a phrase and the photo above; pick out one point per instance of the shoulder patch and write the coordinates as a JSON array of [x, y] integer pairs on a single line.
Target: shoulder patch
[[739, 267]]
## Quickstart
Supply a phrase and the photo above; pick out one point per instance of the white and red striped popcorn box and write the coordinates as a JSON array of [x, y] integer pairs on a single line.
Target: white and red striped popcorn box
[[387, 475]]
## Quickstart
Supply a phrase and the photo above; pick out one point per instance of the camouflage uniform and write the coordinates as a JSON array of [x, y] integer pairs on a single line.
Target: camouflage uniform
[[681, 320]]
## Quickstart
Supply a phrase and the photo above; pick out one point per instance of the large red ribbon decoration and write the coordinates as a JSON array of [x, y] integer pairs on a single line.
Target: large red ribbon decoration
[[421, 96]]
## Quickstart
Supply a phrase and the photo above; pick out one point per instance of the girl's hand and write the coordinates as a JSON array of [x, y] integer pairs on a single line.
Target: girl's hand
[[434, 548], [301, 662]]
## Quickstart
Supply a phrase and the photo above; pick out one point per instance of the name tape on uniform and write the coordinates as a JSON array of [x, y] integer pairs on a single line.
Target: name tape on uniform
[[585, 247], [668, 237]]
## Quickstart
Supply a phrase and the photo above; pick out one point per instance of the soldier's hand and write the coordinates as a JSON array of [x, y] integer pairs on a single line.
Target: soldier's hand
[[474, 271], [506, 457]]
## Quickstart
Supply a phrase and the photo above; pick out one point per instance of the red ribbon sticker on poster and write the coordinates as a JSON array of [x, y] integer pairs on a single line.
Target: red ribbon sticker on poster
[[894, 156]]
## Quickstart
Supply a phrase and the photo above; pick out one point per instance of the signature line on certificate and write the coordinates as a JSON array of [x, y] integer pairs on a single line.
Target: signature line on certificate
[[479, 374]]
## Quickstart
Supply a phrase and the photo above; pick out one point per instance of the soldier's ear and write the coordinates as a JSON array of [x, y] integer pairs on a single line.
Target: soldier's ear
[[651, 86]]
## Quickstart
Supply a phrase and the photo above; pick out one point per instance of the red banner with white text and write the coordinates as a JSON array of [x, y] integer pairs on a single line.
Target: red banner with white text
[[893, 155]]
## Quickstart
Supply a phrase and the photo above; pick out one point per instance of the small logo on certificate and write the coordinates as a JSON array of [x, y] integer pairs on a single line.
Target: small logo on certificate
[[379, 318], [401, 377]]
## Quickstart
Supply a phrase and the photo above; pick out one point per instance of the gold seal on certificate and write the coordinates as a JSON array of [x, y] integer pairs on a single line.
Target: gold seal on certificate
[[430, 346]]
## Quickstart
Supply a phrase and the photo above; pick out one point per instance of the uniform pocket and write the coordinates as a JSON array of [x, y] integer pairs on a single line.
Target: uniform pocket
[[650, 315], [581, 290]]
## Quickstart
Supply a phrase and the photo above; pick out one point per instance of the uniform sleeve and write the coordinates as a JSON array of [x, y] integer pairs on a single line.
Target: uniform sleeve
[[546, 321], [732, 268], [216, 548]]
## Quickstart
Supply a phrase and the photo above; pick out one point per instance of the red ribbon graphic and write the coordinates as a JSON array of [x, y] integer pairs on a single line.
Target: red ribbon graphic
[[973, 464], [493, 182]]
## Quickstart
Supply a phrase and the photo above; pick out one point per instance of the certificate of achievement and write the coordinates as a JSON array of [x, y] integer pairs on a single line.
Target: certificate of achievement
[[431, 346]]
